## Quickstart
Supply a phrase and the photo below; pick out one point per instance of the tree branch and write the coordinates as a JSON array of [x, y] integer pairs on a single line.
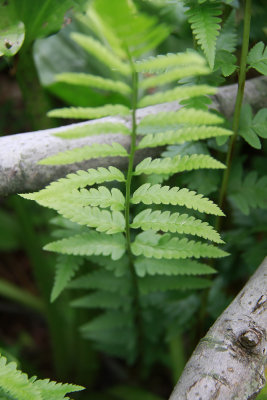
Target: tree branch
[[228, 363], [19, 154]]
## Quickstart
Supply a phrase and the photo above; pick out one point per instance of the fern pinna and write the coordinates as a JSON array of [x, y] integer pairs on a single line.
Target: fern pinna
[[133, 235]]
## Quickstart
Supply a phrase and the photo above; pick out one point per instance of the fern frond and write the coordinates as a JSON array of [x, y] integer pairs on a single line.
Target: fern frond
[[92, 130], [147, 266], [205, 25], [173, 74], [66, 267], [101, 52], [89, 112], [79, 154], [157, 194], [150, 244], [150, 284], [163, 62], [174, 223], [104, 197], [257, 58], [17, 385], [102, 220], [178, 93], [176, 164], [107, 321], [190, 116], [102, 299], [182, 135], [102, 280], [90, 243], [93, 81], [119, 267]]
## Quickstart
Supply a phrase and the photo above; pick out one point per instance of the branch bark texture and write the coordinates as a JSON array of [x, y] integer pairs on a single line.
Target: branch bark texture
[[228, 363], [19, 154]]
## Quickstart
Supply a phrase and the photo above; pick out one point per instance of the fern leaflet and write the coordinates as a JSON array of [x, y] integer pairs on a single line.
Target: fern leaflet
[[157, 194], [89, 112], [86, 153], [182, 135], [90, 243], [150, 284], [93, 81], [176, 164], [102, 280], [175, 223], [257, 58], [163, 62], [102, 299], [147, 266], [80, 131], [150, 244]]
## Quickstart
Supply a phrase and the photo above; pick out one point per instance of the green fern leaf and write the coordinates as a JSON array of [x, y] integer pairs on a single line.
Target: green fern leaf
[[174, 223], [119, 267], [174, 74], [176, 164], [150, 284], [251, 193], [90, 243], [93, 81], [53, 390], [66, 267], [257, 58], [107, 321], [190, 116], [16, 385], [147, 266], [163, 62], [79, 154], [104, 197], [150, 244], [157, 194], [101, 52], [182, 135], [89, 112], [102, 280], [228, 38], [205, 25], [102, 299], [93, 217], [81, 130], [74, 181], [178, 93]]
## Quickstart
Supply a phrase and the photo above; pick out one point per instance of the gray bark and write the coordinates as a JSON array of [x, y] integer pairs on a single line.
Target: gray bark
[[228, 363], [19, 154]]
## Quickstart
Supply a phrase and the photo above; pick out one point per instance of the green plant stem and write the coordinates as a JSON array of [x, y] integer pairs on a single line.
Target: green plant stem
[[136, 302], [238, 105], [21, 296]]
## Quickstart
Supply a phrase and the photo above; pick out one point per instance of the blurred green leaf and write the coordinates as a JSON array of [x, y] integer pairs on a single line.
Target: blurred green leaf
[[12, 32]]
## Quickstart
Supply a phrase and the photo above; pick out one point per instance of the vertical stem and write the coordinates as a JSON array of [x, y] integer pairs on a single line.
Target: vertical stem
[[136, 303], [238, 105]]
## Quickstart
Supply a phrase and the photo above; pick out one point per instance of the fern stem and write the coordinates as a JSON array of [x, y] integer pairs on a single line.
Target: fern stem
[[238, 105], [136, 302]]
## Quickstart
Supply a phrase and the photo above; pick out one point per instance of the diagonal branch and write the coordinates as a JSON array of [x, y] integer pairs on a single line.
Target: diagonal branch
[[228, 363], [19, 154]]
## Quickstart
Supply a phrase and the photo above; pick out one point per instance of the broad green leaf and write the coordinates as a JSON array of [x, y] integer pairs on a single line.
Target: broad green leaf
[[150, 244], [79, 154], [257, 58], [178, 93], [12, 32], [157, 194], [94, 81], [147, 266], [90, 243], [89, 112], [174, 223]]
